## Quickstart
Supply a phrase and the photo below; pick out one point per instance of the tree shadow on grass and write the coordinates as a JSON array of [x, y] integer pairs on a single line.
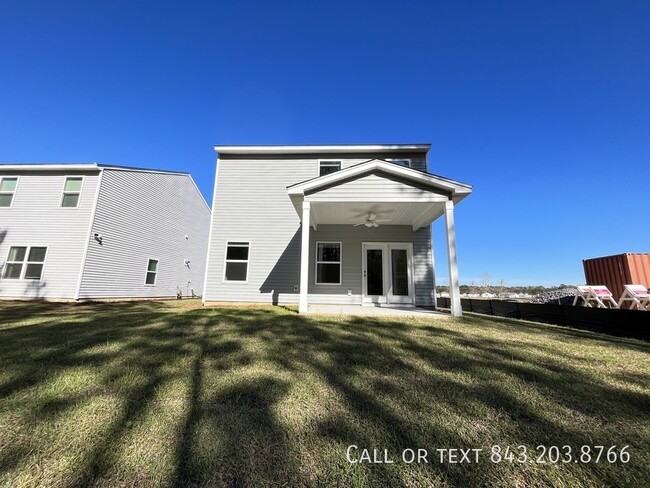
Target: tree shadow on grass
[[248, 378]]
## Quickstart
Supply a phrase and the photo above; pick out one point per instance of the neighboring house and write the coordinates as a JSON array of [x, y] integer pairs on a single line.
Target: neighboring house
[[84, 231], [337, 224]]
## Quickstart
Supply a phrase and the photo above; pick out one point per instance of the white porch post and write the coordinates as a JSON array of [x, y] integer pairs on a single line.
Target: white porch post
[[304, 258], [454, 286]]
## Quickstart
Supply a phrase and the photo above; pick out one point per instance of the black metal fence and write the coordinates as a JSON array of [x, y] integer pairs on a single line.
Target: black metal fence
[[617, 322]]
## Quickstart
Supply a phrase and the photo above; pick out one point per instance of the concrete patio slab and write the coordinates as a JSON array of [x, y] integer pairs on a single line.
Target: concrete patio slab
[[385, 311]]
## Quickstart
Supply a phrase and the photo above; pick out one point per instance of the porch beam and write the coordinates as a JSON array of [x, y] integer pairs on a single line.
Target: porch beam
[[304, 258], [425, 216], [454, 286]]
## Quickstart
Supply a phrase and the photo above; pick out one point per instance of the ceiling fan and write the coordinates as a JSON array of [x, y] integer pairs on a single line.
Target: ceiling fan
[[371, 221]]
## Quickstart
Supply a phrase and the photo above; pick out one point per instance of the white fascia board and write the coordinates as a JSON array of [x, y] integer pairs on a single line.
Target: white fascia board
[[453, 187], [320, 149], [81, 167], [50, 167]]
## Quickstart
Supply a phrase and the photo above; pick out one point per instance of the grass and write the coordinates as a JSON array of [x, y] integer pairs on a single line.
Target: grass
[[173, 394]]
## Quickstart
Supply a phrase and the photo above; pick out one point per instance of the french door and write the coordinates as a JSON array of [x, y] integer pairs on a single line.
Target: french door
[[387, 272]]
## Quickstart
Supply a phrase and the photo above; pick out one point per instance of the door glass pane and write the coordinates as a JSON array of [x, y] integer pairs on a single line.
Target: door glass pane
[[399, 265], [375, 275]]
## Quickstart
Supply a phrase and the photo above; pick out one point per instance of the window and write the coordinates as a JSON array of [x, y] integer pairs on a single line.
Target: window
[[402, 162], [327, 167], [7, 191], [152, 272], [328, 263], [25, 262], [237, 261], [71, 191]]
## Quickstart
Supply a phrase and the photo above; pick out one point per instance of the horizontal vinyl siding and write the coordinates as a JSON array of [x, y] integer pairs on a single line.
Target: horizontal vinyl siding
[[352, 239], [373, 188], [142, 216], [36, 218], [251, 204]]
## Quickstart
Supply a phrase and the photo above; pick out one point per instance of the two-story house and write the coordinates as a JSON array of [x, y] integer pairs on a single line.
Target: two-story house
[[85, 231], [338, 224]]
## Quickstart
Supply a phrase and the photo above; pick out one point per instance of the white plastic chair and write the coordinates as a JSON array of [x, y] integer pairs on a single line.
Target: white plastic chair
[[598, 294], [639, 295]]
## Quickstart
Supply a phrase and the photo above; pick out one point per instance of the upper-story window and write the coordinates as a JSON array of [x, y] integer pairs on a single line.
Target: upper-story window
[[327, 167], [402, 162], [7, 190], [71, 191]]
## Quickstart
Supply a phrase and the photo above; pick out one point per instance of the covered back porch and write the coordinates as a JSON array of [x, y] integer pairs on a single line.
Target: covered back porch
[[370, 224]]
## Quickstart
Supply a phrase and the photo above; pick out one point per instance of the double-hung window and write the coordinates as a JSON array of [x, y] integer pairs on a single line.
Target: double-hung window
[[24, 262], [7, 190], [328, 263], [71, 191], [327, 167], [152, 272], [236, 267]]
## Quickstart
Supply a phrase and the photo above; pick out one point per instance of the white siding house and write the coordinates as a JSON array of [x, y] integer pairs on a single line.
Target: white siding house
[[85, 231], [345, 224]]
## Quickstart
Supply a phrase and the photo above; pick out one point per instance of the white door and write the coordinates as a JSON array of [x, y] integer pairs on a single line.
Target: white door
[[387, 273]]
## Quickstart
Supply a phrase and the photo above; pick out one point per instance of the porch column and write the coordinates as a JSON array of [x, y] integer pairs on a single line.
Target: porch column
[[454, 286], [304, 258]]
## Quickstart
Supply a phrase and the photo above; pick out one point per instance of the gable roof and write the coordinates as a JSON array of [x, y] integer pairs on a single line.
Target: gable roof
[[438, 184]]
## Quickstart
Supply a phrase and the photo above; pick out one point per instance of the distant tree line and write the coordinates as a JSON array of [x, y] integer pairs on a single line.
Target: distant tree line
[[472, 289]]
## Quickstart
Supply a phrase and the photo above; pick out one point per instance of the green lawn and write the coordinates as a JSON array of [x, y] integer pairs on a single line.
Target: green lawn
[[170, 393]]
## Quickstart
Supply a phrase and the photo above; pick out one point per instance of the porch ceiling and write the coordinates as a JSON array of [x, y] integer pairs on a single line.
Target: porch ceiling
[[415, 214]]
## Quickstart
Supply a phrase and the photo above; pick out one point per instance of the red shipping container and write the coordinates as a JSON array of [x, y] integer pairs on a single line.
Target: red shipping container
[[618, 270]]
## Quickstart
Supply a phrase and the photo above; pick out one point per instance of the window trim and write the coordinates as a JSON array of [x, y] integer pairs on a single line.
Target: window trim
[[64, 193], [146, 272], [13, 194], [25, 262], [340, 263], [326, 161], [226, 261]]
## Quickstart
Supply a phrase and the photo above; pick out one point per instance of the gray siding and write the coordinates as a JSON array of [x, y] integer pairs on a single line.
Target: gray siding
[[251, 204], [36, 218], [372, 188], [143, 215], [351, 239]]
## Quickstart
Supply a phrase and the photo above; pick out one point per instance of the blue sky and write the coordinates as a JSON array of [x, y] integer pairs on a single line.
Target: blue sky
[[543, 106]]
